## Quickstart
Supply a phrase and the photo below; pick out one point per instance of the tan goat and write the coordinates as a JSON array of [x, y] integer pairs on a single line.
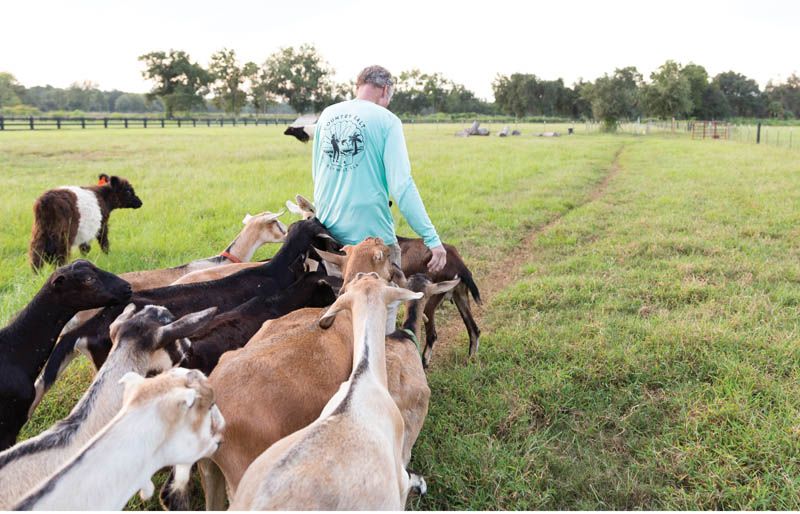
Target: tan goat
[[350, 458], [293, 367]]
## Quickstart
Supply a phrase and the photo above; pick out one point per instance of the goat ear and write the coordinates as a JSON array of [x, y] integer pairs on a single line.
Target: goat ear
[[58, 281], [274, 216], [130, 382], [114, 181], [247, 217], [338, 260], [184, 397], [341, 303], [305, 204], [443, 287], [185, 327], [293, 208], [122, 318], [398, 294], [397, 276]]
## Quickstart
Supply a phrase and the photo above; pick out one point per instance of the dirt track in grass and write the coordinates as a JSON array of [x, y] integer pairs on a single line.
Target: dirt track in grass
[[452, 333]]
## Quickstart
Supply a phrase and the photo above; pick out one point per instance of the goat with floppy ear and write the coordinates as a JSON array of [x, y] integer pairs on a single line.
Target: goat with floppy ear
[[350, 458], [172, 420], [143, 342]]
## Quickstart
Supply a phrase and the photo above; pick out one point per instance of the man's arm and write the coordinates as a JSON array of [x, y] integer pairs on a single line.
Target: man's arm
[[404, 191], [402, 187]]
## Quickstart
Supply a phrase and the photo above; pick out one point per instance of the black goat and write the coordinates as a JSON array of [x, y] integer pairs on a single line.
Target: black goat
[[27, 341], [231, 330], [226, 293]]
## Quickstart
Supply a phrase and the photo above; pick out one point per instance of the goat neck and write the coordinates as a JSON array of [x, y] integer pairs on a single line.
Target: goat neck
[[83, 485], [369, 333], [41, 321], [250, 239], [413, 321]]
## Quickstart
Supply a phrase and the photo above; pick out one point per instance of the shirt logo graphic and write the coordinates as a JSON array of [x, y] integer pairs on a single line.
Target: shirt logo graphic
[[343, 141]]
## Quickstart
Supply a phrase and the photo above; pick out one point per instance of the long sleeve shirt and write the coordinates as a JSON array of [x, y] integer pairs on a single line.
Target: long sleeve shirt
[[360, 160]]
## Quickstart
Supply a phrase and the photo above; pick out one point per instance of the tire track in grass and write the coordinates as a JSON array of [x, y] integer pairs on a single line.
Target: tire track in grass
[[505, 272]]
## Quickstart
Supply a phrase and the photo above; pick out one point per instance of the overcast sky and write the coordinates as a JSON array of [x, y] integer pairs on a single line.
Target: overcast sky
[[60, 42]]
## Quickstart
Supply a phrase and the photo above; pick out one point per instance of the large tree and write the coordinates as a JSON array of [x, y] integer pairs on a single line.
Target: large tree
[[741, 93], [785, 98], [301, 77], [228, 78], [180, 83], [669, 94], [11, 92], [615, 98], [523, 94], [698, 84]]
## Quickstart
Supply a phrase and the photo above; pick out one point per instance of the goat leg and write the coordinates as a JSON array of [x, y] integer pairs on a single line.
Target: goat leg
[[461, 299], [213, 484]]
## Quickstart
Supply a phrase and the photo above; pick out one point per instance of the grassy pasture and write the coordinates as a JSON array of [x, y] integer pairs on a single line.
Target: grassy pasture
[[641, 352]]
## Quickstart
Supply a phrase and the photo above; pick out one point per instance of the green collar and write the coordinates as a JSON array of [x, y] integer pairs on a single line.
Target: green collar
[[413, 337]]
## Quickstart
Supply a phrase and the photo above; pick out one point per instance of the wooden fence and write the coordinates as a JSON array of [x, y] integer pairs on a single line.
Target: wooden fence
[[57, 123]]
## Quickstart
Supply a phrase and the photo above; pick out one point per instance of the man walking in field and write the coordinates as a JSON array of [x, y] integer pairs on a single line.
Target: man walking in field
[[359, 161]]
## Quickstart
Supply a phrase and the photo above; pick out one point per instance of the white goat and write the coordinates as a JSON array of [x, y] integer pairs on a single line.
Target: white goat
[[167, 420], [350, 458], [141, 342]]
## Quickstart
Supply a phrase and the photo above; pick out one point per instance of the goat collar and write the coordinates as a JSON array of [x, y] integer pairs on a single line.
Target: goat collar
[[412, 336], [230, 257]]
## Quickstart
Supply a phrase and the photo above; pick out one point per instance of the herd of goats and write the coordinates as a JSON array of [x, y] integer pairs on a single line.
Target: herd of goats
[[275, 380]]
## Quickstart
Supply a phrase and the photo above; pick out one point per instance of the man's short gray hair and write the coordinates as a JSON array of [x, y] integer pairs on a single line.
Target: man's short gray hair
[[375, 75]]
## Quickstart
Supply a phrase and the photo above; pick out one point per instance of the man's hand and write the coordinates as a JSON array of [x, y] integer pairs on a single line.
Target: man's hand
[[438, 259]]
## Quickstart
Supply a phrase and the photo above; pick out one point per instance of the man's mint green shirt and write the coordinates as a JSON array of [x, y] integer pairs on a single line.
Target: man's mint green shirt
[[359, 161]]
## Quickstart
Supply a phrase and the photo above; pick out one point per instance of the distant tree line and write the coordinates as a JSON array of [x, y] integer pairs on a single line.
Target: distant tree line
[[673, 91], [83, 96], [300, 80]]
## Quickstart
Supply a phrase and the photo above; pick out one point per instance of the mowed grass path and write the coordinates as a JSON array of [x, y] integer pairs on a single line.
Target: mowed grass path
[[648, 359], [645, 358]]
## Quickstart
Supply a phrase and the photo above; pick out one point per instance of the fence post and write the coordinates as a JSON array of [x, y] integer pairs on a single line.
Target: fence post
[[208, 121], [234, 122], [179, 123], [245, 122], [162, 122], [194, 122], [126, 122], [105, 122], [58, 123], [30, 122], [83, 123], [144, 122], [758, 133], [221, 121], [2, 123]]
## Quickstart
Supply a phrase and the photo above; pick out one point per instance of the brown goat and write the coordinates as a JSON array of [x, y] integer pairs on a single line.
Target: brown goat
[[415, 257], [415, 260], [70, 216], [292, 368]]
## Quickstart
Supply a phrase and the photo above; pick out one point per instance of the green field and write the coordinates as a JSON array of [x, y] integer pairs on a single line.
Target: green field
[[640, 345]]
